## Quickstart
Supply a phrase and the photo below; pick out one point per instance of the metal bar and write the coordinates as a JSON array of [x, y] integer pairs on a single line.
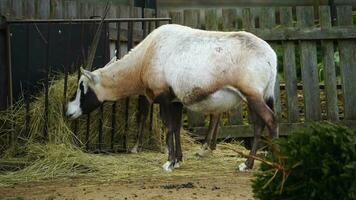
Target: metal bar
[[88, 20], [113, 125], [105, 60], [8, 46], [101, 120], [27, 82], [151, 107], [11, 137], [66, 71], [46, 103], [76, 121], [87, 135], [149, 27], [113, 109], [127, 101], [151, 118]]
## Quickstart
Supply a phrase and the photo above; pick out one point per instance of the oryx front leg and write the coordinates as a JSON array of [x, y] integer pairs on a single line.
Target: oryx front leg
[[172, 115]]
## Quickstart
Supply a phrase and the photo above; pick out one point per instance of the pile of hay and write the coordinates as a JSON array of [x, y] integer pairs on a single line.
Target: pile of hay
[[60, 158], [60, 129]]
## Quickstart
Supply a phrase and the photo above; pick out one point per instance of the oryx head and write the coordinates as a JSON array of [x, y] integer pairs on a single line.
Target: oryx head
[[85, 99]]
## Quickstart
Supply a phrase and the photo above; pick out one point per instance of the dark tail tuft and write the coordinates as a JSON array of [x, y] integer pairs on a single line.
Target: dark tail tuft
[[270, 103]]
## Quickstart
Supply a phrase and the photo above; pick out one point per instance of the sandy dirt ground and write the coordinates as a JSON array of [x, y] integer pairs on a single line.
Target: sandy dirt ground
[[228, 186]]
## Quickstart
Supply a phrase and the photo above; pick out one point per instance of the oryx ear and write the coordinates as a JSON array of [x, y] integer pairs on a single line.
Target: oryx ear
[[90, 75]]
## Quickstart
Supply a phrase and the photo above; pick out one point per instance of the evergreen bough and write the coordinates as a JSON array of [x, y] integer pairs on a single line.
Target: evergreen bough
[[318, 162]]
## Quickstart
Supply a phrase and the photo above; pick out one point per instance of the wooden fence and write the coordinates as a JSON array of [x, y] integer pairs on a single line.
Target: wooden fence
[[316, 54], [316, 62]]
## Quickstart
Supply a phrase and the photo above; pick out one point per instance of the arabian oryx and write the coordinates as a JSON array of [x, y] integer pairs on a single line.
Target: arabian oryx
[[176, 66]]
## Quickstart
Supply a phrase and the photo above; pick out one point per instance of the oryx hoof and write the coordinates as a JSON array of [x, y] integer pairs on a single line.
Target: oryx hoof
[[168, 166], [243, 167], [178, 164], [203, 151]]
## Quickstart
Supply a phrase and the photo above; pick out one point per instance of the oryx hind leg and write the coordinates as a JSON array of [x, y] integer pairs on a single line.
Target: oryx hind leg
[[261, 115], [210, 139]]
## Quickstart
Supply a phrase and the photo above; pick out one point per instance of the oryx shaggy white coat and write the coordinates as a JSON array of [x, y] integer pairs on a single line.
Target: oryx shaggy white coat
[[206, 71]]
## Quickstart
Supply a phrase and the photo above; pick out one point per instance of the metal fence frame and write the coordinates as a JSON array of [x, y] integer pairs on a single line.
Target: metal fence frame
[[130, 43]]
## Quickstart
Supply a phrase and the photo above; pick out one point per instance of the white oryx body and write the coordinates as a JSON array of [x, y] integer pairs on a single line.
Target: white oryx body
[[193, 63], [206, 71]]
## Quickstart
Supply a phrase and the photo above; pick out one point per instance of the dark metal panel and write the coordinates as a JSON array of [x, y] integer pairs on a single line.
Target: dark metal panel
[[19, 58], [4, 86], [79, 36]]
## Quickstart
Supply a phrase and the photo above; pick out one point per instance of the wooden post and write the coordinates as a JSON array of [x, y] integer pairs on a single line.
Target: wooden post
[[56, 9], [308, 61], [247, 19], [289, 68], [177, 17], [191, 18], [329, 66], [17, 8], [347, 63], [267, 20], [229, 16], [43, 9], [211, 19], [69, 9]]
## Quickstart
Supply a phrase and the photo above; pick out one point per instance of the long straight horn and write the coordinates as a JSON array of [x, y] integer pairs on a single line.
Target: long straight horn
[[94, 45]]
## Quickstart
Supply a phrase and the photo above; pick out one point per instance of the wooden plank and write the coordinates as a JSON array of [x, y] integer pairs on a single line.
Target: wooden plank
[[329, 66], [124, 13], [162, 13], [17, 9], [69, 9], [211, 19], [112, 14], [99, 8], [136, 13], [268, 21], [191, 18], [229, 16], [267, 17], [307, 33], [289, 68], [247, 19], [177, 17], [347, 63], [150, 25], [56, 9], [3, 7], [308, 61], [345, 2], [89, 10], [43, 9], [178, 4], [243, 131]]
